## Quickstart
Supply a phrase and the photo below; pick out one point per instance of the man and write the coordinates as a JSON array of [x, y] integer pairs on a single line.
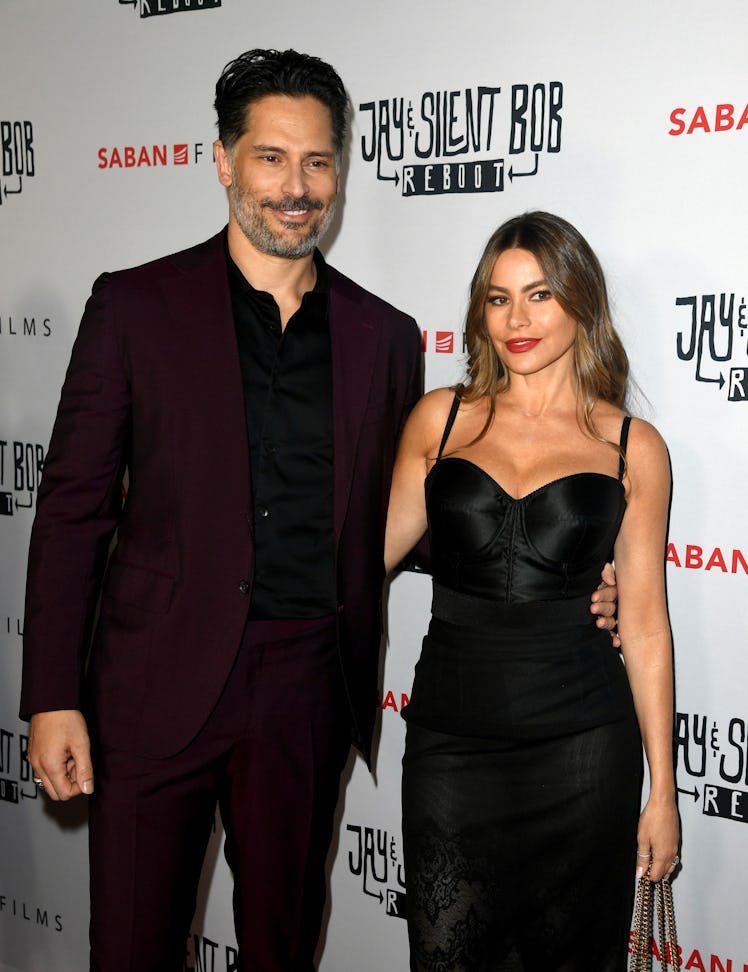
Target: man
[[255, 396]]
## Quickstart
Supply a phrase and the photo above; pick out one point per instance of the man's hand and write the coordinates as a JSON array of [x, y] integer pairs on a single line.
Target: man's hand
[[60, 753], [604, 601]]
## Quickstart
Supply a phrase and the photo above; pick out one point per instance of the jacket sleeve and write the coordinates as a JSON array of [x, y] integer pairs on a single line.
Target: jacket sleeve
[[414, 388], [419, 558], [79, 501]]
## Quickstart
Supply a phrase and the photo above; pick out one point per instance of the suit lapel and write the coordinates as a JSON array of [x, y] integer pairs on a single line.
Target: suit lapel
[[199, 302], [354, 341]]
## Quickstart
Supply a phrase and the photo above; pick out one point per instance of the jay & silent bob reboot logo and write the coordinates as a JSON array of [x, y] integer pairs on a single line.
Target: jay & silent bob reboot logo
[[713, 340], [462, 141], [157, 8], [17, 158]]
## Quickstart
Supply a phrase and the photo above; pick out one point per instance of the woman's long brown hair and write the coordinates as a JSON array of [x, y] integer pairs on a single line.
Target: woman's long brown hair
[[576, 280]]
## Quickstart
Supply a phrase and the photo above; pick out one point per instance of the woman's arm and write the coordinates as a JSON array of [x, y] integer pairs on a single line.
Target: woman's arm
[[419, 444], [645, 635]]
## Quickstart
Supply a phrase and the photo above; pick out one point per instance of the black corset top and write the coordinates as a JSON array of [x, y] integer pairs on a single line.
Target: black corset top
[[550, 544]]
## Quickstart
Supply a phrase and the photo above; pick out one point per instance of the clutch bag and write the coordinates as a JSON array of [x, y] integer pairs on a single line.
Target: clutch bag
[[654, 903]]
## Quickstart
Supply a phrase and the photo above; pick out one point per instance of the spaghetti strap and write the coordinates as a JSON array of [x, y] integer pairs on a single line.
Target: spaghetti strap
[[448, 427], [623, 442]]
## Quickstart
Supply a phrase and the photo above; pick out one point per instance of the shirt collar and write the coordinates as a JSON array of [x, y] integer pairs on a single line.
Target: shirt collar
[[239, 283]]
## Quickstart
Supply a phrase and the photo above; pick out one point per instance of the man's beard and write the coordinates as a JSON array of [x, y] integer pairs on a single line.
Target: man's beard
[[251, 219]]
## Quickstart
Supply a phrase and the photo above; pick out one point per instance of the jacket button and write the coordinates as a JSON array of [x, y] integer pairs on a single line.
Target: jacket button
[[244, 587]]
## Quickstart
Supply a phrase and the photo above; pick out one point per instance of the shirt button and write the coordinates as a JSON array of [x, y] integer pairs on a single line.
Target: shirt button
[[263, 511], [244, 587]]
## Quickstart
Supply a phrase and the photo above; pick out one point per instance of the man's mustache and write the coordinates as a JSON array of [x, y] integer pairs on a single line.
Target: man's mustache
[[289, 204]]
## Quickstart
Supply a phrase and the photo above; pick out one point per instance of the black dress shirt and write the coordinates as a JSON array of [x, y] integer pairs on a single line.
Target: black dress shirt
[[287, 376]]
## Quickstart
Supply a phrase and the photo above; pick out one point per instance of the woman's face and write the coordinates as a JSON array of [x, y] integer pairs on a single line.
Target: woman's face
[[528, 327]]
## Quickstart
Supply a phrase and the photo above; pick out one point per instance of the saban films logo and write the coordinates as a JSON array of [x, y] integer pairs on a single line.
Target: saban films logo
[[714, 338], [442, 342], [23, 326], [149, 156], [458, 141], [156, 8], [17, 163], [22, 910], [725, 117]]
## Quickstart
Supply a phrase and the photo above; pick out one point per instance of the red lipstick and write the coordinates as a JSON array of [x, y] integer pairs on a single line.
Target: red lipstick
[[519, 345]]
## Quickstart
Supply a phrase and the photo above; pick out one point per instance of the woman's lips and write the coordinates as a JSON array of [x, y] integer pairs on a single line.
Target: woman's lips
[[518, 345]]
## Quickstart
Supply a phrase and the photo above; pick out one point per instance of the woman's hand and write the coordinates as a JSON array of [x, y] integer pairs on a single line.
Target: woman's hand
[[658, 839]]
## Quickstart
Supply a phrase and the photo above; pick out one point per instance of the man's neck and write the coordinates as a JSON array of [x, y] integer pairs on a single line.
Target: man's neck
[[284, 279]]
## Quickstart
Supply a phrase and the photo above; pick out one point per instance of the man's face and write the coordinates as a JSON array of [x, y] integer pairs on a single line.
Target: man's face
[[281, 175]]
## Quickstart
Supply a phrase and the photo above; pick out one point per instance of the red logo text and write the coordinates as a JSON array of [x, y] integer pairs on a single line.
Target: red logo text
[[720, 118], [693, 557]]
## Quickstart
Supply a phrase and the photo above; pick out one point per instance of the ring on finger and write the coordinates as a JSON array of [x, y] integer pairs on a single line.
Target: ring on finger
[[38, 782]]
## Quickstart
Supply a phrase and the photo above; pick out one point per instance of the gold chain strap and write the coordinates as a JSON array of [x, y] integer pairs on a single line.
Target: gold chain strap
[[666, 920], [647, 893], [641, 958]]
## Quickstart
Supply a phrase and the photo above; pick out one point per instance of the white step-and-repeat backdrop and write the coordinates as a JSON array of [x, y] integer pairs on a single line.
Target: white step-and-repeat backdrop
[[631, 120]]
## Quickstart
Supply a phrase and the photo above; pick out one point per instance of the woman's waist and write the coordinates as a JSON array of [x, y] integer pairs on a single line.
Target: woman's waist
[[542, 668], [471, 611]]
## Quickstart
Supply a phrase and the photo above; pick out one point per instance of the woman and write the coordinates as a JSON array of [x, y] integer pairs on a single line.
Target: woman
[[522, 770]]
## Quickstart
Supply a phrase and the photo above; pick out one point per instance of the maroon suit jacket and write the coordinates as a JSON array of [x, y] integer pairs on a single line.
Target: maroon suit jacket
[[154, 387]]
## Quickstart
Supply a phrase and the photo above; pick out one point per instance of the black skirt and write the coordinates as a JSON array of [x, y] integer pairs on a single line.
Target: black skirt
[[520, 848]]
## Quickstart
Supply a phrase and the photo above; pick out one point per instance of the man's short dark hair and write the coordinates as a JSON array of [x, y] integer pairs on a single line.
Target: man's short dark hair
[[258, 73]]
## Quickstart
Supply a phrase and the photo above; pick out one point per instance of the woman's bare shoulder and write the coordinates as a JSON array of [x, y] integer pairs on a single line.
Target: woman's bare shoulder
[[608, 420], [646, 443], [434, 406], [428, 419]]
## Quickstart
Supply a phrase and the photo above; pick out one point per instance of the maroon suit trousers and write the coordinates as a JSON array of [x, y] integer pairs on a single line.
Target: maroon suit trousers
[[270, 756]]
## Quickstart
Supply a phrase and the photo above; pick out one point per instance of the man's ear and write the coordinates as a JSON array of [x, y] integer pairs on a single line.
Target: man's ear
[[223, 163]]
